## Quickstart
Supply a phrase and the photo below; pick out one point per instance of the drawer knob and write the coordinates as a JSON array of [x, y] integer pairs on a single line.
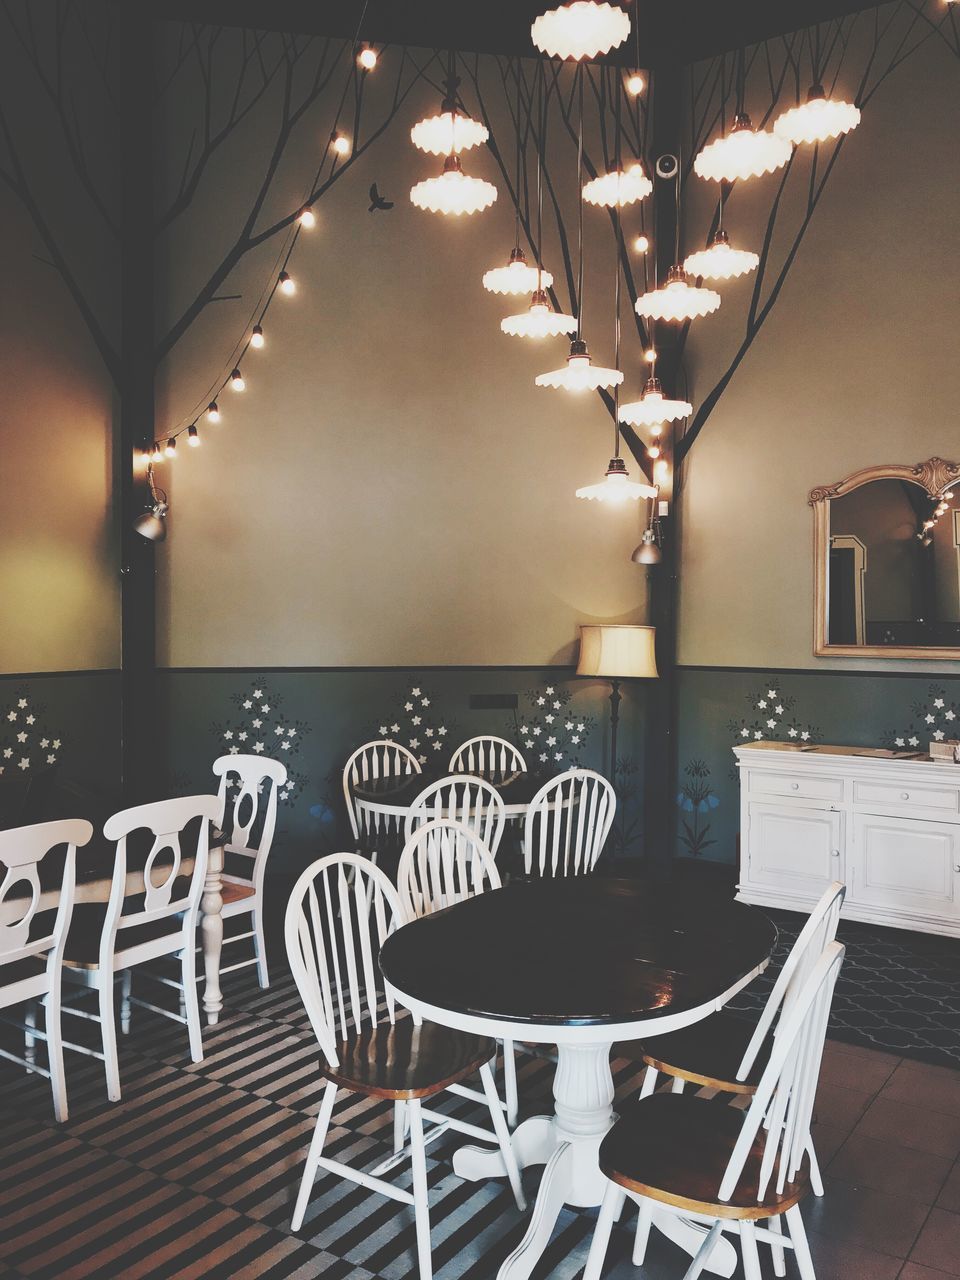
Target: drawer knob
[[835, 853], [794, 786], [904, 795]]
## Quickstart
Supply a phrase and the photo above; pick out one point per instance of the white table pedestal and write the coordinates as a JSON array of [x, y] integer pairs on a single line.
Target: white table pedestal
[[568, 1143]]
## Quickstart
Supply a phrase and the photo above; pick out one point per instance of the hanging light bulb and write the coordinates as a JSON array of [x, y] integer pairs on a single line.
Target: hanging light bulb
[[213, 411], [652, 409], [287, 284], [635, 84], [648, 552], [156, 453], [307, 218], [152, 524], [720, 261], [641, 244], [452, 130], [677, 300], [341, 144], [539, 320], [616, 487], [744, 152], [256, 338], [579, 374], [818, 119], [237, 382], [453, 192], [618, 188], [367, 58], [583, 29], [193, 436], [516, 277], [171, 447]]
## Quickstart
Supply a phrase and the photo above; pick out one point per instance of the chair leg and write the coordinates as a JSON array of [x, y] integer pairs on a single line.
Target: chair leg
[[609, 1212], [677, 1084], [188, 976], [108, 1034], [126, 982], [58, 1077], [649, 1082], [313, 1155], [421, 1205], [801, 1250], [816, 1180], [779, 1258], [748, 1248], [29, 1039], [503, 1136], [261, 945], [510, 1084], [644, 1219], [399, 1126], [703, 1253]]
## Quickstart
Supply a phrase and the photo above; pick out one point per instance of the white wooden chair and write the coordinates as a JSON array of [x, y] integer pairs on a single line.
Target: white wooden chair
[[725, 1168], [720, 1053], [489, 757], [381, 758], [445, 862], [340, 912], [30, 967], [567, 824], [256, 796], [130, 931], [472, 801]]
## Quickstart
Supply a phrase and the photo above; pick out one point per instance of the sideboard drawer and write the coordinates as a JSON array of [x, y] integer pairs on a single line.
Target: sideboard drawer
[[936, 800], [803, 786]]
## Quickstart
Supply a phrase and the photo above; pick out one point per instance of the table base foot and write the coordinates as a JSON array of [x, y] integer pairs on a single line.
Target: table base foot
[[533, 1143], [556, 1188]]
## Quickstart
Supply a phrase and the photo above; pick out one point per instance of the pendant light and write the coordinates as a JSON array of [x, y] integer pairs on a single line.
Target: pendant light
[[517, 276], [583, 29], [579, 373], [652, 409], [619, 187], [616, 487], [720, 261], [648, 552], [744, 152], [539, 320], [452, 130], [677, 300], [819, 119], [452, 191], [152, 523]]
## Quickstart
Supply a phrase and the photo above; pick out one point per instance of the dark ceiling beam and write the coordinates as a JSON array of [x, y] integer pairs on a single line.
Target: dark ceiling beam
[[671, 31]]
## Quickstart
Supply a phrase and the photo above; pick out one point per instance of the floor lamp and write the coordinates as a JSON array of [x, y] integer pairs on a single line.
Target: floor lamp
[[617, 653]]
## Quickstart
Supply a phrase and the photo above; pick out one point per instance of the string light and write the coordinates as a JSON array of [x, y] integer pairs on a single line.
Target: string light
[[156, 453], [236, 381], [341, 144], [307, 218], [287, 284], [367, 58], [641, 244], [213, 411], [193, 436], [635, 84], [171, 447], [256, 338]]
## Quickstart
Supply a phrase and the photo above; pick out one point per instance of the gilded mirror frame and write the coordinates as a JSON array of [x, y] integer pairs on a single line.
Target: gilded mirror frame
[[935, 476]]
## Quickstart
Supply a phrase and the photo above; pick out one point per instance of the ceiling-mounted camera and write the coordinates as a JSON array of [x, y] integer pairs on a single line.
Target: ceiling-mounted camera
[[667, 166]]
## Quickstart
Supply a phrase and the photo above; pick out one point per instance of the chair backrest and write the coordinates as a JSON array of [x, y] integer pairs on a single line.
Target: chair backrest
[[473, 801], [443, 862], [819, 930], [783, 1104], [567, 824], [165, 820], [341, 911], [22, 849], [488, 757], [260, 780], [381, 758]]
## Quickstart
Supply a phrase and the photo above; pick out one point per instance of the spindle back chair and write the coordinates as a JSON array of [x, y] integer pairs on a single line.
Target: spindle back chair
[[488, 756], [472, 801], [380, 758], [567, 824]]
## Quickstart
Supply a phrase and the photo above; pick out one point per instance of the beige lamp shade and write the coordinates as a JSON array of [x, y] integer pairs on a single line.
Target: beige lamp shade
[[619, 653]]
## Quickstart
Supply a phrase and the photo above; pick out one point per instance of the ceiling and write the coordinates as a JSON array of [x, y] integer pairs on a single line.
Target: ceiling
[[670, 30]]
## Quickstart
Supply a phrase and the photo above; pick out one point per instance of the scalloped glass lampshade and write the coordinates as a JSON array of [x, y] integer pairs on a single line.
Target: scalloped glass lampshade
[[579, 374], [818, 119], [616, 487], [619, 187], [452, 192], [744, 152], [539, 320], [720, 261], [677, 300], [583, 29], [652, 409], [516, 277], [448, 133]]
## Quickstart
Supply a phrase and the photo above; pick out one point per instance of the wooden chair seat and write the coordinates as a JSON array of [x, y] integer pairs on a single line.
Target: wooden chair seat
[[401, 1060], [675, 1148], [708, 1053], [233, 892], [83, 941]]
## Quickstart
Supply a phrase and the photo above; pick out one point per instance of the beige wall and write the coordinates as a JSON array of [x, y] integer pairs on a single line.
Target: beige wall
[[392, 488], [857, 365]]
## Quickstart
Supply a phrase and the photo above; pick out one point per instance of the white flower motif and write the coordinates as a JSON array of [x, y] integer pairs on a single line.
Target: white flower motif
[[914, 742], [441, 730], [228, 734], [258, 747], [762, 703], [779, 708], [11, 715], [265, 708], [558, 755], [805, 735], [541, 701], [44, 742], [771, 724], [279, 730], [22, 703], [528, 743], [557, 704], [383, 730], [436, 745], [744, 732], [24, 762], [549, 691], [422, 759], [428, 733], [928, 718], [758, 735], [8, 752], [394, 728], [256, 723], [415, 719], [56, 744], [949, 715], [551, 742], [580, 728], [285, 746], [415, 693], [938, 735], [938, 702], [234, 751], [51, 759], [21, 737], [543, 756], [408, 706], [771, 693], [537, 731], [568, 725], [414, 743], [550, 719], [424, 702], [258, 693], [242, 736], [575, 739], [291, 733], [247, 704], [31, 719], [792, 732], [898, 742]]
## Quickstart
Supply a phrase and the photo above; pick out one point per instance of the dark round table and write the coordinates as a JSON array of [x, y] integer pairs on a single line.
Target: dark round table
[[579, 963]]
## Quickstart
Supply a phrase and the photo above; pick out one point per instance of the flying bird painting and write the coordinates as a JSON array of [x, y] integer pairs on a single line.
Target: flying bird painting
[[377, 201]]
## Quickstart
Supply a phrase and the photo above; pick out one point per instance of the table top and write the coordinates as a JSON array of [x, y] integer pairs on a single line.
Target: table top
[[400, 791], [579, 952]]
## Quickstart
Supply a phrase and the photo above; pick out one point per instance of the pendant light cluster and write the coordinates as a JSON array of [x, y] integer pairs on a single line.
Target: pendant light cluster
[[451, 192], [940, 510]]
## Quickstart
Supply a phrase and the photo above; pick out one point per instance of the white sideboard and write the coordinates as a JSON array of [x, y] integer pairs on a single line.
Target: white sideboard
[[885, 824]]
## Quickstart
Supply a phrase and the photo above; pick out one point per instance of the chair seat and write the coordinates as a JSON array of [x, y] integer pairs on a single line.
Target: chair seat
[[83, 941], [674, 1148], [708, 1053], [402, 1060], [236, 892]]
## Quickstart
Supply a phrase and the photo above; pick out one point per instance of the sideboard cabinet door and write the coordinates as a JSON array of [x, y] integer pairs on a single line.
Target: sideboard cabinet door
[[794, 849], [905, 866]]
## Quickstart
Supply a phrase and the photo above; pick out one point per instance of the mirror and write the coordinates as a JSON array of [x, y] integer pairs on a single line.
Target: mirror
[[888, 563]]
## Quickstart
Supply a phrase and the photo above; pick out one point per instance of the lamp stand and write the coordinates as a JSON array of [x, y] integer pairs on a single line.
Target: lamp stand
[[615, 699]]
